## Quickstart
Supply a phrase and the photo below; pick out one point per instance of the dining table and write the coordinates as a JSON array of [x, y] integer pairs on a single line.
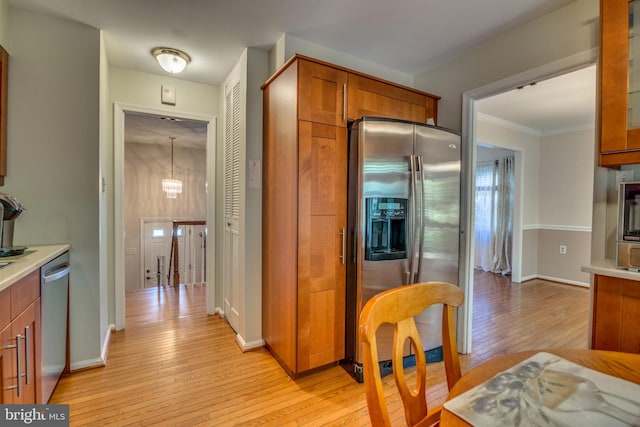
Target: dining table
[[621, 365]]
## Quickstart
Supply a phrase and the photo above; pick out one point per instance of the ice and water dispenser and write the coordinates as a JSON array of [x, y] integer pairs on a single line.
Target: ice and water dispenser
[[386, 233]]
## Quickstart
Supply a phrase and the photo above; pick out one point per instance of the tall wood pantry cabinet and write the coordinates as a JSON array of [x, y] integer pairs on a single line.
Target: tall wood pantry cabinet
[[307, 105], [619, 112]]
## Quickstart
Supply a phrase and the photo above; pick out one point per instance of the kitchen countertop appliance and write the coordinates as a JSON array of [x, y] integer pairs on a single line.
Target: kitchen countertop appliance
[[11, 209], [403, 219]]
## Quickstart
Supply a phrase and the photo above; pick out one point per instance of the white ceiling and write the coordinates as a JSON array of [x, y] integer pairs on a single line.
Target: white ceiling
[[563, 103], [410, 36], [150, 129], [406, 35]]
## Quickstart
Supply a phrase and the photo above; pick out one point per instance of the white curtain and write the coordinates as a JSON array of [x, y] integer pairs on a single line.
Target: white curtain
[[494, 215]]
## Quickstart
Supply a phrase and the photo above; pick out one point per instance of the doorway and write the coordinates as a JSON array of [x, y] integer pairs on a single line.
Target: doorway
[[162, 150], [123, 247], [529, 200], [155, 252]]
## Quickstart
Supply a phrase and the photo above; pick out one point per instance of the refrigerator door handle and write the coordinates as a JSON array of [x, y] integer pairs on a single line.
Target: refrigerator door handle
[[421, 214], [412, 222]]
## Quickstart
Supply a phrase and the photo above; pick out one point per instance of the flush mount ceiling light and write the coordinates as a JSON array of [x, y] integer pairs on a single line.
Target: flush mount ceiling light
[[171, 60]]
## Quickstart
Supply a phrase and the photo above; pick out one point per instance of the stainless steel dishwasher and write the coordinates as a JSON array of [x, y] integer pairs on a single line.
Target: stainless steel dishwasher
[[54, 299]]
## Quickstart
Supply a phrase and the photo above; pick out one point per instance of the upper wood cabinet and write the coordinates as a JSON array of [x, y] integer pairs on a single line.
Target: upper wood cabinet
[[619, 112], [331, 94], [372, 97], [322, 94]]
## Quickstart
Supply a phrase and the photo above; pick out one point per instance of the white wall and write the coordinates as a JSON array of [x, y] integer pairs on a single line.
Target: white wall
[[570, 30], [4, 25], [257, 73], [252, 71], [288, 45], [566, 179], [529, 145], [143, 90], [557, 197], [53, 155], [558, 173]]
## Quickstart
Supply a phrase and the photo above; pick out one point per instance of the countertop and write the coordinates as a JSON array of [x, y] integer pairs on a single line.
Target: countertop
[[608, 267], [35, 257]]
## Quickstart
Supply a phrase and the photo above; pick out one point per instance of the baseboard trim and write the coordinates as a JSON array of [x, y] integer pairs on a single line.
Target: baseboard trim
[[83, 365], [247, 346], [557, 227], [557, 280], [104, 354], [99, 362]]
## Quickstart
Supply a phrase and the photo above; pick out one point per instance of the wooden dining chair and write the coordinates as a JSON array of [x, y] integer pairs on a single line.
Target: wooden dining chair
[[398, 307]]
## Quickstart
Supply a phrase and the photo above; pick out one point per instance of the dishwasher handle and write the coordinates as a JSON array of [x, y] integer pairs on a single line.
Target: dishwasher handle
[[56, 273]]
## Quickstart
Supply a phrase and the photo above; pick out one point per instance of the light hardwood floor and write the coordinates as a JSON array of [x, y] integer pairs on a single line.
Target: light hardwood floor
[[174, 365]]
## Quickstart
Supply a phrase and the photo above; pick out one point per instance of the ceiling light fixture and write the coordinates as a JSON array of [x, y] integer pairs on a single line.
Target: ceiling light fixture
[[172, 186], [171, 60]]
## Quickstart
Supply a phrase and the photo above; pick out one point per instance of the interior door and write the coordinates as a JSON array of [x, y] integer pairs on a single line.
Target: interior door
[[233, 196], [157, 252]]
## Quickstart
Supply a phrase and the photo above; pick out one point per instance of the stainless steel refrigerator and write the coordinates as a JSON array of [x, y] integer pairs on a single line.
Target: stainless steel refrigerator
[[403, 222]]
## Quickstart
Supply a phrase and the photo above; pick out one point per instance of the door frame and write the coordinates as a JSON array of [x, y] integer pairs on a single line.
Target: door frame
[[469, 113], [119, 110]]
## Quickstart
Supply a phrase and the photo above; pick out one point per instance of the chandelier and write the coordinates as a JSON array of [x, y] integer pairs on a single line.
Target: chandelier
[[172, 186]]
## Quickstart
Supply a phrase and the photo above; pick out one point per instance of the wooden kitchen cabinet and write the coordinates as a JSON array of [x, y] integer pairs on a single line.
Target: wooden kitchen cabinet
[[371, 97], [322, 200], [21, 341], [330, 94], [322, 93], [307, 105], [20, 338], [7, 367], [619, 112], [27, 325], [616, 314], [304, 217]]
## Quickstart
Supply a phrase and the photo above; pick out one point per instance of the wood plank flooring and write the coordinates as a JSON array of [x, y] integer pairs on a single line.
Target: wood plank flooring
[[176, 366]]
